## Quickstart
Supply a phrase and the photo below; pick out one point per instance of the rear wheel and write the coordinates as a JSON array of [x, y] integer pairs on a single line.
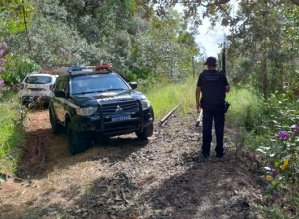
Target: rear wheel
[[147, 132], [56, 127], [77, 143]]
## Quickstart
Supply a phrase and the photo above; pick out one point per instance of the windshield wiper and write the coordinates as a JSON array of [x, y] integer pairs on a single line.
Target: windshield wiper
[[89, 92], [84, 92], [99, 91]]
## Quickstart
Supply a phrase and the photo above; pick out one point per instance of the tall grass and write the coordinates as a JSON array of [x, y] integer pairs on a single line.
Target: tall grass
[[166, 96], [242, 115], [12, 135], [245, 107]]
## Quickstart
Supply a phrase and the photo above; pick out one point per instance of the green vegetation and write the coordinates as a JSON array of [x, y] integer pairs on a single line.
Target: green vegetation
[[165, 96], [271, 127], [12, 135], [279, 129], [245, 107]]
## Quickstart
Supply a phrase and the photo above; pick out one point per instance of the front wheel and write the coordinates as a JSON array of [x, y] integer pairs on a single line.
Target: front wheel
[[147, 132], [55, 126], [77, 143]]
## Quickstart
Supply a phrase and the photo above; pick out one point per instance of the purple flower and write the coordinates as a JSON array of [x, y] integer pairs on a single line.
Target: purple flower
[[1, 52], [1, 83], [1, 68], [3, 61], [271, 167], [295, 128], [276, 195], [3, 44], [283, 135], [272, 170]]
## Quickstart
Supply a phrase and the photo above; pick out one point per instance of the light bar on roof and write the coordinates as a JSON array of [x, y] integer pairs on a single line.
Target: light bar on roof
[[103, 66], [76, 68], [89, 68]]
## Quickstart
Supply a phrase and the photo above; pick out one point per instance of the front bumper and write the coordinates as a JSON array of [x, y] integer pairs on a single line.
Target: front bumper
[[30, 99], [102, 125]]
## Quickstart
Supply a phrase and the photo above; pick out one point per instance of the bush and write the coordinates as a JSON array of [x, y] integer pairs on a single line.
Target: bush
[[17, 67], [12, 135], [281, 124]]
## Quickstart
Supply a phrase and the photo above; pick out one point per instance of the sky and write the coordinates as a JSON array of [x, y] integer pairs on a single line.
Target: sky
[[207, 39]]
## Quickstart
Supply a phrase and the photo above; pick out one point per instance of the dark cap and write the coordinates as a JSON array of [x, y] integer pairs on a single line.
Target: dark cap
[[211, 61]]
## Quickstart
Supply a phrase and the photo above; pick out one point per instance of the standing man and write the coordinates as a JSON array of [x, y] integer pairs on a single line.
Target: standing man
[[210, 95]]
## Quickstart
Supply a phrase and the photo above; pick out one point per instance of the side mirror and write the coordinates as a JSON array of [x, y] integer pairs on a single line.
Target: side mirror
[[133, 85], [59, 93]]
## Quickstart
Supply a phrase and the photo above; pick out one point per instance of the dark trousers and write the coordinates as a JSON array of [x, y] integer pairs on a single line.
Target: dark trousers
[[210, 113]]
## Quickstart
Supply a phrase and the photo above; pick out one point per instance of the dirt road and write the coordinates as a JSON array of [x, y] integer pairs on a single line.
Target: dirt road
[[127, 178]]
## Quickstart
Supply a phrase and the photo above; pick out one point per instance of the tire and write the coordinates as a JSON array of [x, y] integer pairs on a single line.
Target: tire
[[56, 128], [46, 105], [77, 143], [147, 132]]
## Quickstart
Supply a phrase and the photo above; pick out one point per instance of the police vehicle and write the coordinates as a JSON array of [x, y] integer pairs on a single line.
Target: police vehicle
[[93, 101]]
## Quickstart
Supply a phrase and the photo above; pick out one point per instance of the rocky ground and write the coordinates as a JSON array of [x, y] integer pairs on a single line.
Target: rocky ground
[[127, 178]]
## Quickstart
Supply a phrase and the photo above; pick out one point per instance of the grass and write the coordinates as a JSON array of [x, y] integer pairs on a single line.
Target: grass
[[12, 135], [165, 97], [244, 107]]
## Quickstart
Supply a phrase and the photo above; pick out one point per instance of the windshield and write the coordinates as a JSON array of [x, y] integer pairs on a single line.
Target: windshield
[[38, 80], [97, 83]]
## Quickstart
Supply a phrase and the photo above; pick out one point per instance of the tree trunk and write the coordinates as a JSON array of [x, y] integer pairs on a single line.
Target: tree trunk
[[265, 77]]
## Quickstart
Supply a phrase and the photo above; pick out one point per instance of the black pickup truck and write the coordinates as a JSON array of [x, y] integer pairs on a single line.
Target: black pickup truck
[[94, 102]]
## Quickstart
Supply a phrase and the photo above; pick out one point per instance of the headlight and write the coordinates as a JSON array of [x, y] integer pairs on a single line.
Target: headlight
[[145, 104], [87, 111]]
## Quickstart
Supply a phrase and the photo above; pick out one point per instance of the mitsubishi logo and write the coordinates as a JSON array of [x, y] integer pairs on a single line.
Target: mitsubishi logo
[[118, 108]]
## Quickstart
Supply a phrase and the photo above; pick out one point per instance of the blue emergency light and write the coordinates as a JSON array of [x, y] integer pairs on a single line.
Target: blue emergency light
[[76, 68]]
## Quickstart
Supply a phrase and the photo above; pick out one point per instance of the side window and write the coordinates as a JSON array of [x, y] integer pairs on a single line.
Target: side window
[[59, 84], [66, 87]]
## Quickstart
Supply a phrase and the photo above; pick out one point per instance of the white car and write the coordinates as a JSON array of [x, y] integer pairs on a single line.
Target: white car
[[36, 88]]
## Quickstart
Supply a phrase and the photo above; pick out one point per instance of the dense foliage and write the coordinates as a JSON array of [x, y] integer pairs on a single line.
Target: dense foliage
[[279, 124], [124, 33]]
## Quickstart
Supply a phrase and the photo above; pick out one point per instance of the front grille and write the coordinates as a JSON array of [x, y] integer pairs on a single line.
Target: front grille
[[109, 109], [109, 127]]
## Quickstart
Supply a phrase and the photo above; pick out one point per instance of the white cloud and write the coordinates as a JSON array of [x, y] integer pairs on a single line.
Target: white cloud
[[208, 39]]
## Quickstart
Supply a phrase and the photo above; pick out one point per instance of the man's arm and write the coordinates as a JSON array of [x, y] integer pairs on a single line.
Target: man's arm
[[227, 88], [197, 97], [226, 84]]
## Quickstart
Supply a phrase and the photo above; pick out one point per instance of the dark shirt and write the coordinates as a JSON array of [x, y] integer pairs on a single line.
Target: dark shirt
[[200, 79], [212, 83]]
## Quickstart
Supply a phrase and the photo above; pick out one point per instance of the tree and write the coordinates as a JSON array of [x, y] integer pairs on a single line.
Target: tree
[[166, 47], [64, 32], [261, 43], [192, 7]]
